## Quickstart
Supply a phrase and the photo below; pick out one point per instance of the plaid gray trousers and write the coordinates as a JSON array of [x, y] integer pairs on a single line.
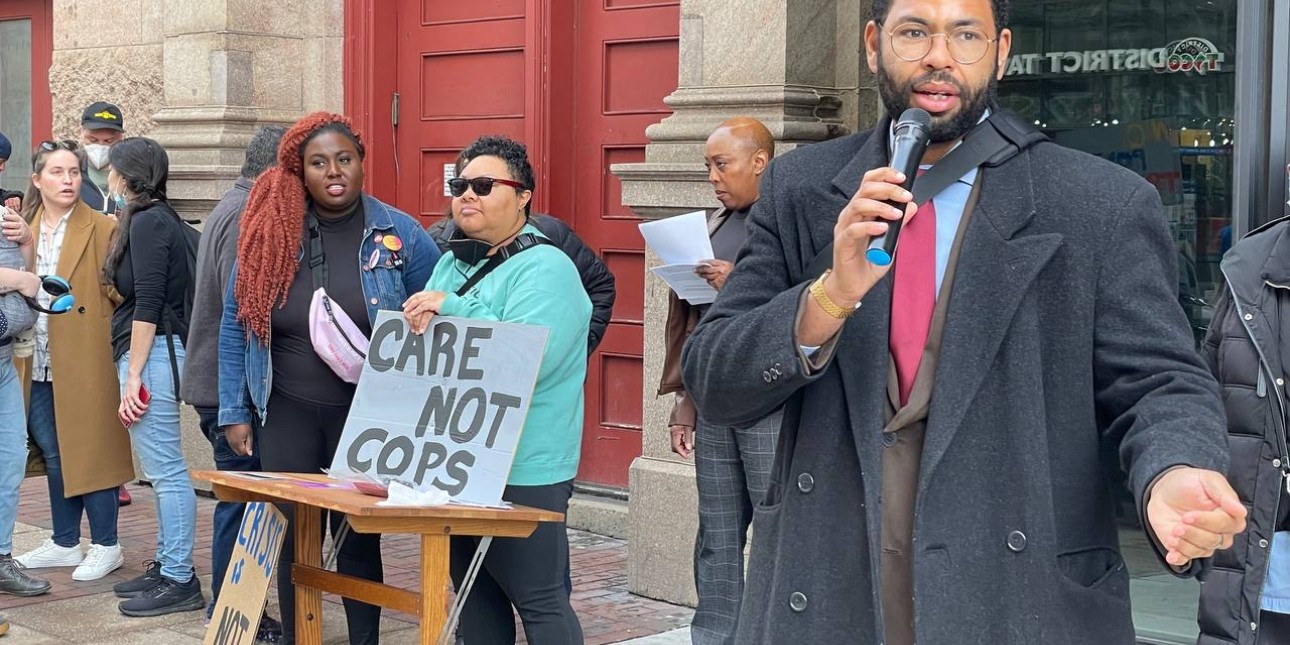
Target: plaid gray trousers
[[732, 468]]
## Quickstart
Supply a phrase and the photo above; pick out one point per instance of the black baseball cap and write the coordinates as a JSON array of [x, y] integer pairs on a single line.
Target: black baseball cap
[[102, 116]]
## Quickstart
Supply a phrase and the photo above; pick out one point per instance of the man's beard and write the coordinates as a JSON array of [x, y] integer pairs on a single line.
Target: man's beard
[[972, 102]]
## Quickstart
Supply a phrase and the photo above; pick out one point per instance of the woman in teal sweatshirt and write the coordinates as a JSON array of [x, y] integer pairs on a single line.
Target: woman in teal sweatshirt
[[538, 286]]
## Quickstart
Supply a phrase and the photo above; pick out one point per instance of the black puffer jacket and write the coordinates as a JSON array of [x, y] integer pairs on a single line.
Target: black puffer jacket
[[1244, 350], [596, 278]]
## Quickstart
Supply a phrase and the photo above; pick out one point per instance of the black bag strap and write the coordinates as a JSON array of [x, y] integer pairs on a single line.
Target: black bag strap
[[520, 244], [317, 261], [991, 143]]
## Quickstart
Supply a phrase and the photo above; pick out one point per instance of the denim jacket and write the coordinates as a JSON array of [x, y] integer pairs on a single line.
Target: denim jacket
[[245, 367]]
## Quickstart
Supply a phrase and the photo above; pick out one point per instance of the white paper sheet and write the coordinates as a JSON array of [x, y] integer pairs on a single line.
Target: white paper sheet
[[680, 239], [687, 285]]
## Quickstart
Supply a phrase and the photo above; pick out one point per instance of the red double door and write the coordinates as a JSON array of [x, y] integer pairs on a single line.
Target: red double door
[[578, 83]]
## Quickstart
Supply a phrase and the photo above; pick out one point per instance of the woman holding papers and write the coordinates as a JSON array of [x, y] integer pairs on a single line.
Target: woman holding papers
[[732, 465], [501, 268], [308, 234]]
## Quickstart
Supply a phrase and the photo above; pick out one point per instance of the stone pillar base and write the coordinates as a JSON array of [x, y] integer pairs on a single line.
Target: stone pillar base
[[663, 526]]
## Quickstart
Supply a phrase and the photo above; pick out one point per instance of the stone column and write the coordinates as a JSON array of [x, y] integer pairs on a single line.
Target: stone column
[[795, 65], [231, 66]]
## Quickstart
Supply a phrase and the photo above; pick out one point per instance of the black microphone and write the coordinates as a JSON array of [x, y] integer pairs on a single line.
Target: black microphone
[[909, 138]]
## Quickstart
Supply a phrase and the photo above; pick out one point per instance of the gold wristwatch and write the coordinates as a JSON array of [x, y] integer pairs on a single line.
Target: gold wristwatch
[[831, 308]]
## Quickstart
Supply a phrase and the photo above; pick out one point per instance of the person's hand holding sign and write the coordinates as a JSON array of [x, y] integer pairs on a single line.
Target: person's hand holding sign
[[420, 308]]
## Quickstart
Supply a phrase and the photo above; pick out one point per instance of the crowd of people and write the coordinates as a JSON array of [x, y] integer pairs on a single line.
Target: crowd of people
[[1028, 324], [182, 322]]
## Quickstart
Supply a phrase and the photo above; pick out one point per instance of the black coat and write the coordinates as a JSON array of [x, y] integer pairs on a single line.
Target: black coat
[[596, 278], [1063, 334], [90, 194], [1244, 350]]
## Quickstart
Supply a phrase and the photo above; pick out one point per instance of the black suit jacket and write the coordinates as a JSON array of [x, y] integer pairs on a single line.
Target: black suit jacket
[[1063, 334]]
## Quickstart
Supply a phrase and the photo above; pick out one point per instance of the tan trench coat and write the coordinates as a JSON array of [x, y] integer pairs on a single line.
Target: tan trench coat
[[94, 447]]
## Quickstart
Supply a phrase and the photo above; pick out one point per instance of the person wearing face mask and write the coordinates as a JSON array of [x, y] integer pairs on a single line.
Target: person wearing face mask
[[147, 264], [74, 394], [101, 126], [536, 284]]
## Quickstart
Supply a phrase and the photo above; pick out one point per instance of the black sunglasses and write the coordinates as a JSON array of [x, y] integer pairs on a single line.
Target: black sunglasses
[[481, 185], [50, 145]]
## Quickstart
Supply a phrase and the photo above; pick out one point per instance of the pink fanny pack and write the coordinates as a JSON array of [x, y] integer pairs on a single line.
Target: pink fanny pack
[[335, 337]]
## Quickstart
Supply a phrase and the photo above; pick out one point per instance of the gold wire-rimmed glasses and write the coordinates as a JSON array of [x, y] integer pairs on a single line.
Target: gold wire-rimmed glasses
[[912, 41]]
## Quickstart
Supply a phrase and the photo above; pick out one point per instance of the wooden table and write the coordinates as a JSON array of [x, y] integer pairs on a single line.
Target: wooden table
[[434, 524]]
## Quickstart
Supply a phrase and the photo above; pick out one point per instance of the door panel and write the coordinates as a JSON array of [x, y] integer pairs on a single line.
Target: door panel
[[578, 83], [462, 72], [626, 63]]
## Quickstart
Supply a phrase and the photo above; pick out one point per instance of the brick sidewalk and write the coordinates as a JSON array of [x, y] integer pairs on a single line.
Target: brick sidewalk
[[609, 614]]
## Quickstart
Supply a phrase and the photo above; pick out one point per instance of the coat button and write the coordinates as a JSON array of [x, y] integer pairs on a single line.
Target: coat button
[[805, 482], [1276, 463], [765, 376], [1263, 544], [1281, 381], [1249, 317], [375, 301], [80, 310], [1016, 541], [797, 602], [888, 439]]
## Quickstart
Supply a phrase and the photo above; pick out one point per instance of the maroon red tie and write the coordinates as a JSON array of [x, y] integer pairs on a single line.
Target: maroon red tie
[[913, 295]]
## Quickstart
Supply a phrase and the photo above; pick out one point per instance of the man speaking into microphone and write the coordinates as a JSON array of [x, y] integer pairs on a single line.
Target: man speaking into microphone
[[939, 474]]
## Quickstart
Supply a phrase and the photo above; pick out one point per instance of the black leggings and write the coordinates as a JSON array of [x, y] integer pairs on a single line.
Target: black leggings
[[302, 437], [527, 573]]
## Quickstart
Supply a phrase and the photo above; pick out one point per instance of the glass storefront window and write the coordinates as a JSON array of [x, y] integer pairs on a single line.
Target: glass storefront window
[[1150, 85], [15, 100]]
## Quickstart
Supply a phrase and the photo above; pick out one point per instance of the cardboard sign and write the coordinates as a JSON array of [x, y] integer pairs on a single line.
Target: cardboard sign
[[255, 558], [444, 409]]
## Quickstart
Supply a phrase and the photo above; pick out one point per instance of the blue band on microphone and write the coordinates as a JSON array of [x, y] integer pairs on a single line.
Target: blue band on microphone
[[878, 257]]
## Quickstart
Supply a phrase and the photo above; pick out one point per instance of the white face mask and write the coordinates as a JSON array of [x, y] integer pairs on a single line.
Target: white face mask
[[97, 154]]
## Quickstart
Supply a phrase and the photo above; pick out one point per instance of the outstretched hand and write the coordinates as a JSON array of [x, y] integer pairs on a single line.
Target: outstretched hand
[[1194, 513]]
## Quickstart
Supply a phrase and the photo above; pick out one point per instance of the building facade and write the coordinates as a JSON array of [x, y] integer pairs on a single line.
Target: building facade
[[614, 99]]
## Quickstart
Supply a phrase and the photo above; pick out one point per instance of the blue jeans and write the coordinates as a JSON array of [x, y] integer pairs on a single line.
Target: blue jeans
[[155, 440], [99, 506], [13, 449], [228, 515]]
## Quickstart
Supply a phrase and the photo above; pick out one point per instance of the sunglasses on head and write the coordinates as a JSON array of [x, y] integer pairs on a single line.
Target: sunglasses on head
[[60, 290], [50, 145], [482, 186]]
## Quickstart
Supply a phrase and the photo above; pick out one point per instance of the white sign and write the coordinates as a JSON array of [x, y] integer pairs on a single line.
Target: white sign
[[236, 618], [449, 173], [681, 242], [1188, 55], [444, 409]]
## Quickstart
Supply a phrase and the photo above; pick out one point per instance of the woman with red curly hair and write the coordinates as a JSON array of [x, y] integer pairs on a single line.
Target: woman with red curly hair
[[311, 211]]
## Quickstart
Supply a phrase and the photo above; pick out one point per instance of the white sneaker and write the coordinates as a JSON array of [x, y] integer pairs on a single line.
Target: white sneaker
[[99, 561], [51, 555]]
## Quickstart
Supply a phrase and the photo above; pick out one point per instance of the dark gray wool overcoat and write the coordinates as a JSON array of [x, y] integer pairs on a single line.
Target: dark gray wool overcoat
[[1064, 336]]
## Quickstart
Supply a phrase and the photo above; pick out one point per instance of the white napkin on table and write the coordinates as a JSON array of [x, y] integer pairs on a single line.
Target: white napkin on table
[[403, 495]]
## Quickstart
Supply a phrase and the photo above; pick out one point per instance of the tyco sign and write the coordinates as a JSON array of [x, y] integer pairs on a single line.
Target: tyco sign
[[255, 556], [444, 409], [1189, 55]]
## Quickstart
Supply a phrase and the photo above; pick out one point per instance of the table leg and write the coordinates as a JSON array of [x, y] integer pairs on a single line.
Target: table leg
[[308, 552], [434, 586]]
